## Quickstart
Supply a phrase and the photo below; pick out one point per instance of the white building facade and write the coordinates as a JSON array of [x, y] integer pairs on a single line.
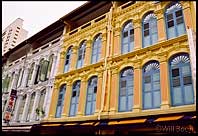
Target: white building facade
[[32, 75]]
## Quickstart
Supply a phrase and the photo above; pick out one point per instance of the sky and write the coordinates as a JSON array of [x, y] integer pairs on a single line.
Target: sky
[[37, 15]]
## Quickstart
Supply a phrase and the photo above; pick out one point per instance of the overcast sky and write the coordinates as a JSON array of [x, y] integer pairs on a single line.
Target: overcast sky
[[36, 14]]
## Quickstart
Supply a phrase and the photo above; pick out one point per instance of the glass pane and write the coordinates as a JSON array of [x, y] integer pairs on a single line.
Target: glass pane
[[146, 32], [88, 108], [146, 26], [74, 94], [122, 104], [187, 80], [180, 29], [176, 82], [188, 94], [186, 70], [72, 110], [154, 38], [89, 98], [177, 96], [178, 13], [125, 48], [179, 20], [125, 40], [130, 102], [123, 92], [170, 24], [93, 107], [175, 72], [156, 76], [156, 85], [123, 83], [147, 79], [147, 100], [130, 90], [90, 90], [147, 87], [125, 34], [95, 89], [131, 46], [169, 17], [157, 99], [94, 97], [171, 32], [58, 111], [131, 31], [94, 59], [146, 41]]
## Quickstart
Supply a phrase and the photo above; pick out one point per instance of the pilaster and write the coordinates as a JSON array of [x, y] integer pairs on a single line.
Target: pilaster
[[99, 93], [88, 52]]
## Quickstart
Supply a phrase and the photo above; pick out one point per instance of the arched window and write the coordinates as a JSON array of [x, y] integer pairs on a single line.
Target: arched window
[[91, 96], [30, 106], [49, 70], [151, 85], [181, 80], [74, 99], [127, 37], [126, 90], [30, 73], [174, 20], [96, 49], [68, 59], [38, 74], [22, 107], [81, 54], [60, 102], [41, 102], [149, 25]]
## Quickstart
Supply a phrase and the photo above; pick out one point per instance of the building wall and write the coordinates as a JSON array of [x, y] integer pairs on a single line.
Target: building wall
[[28, 87], [13, 35], [112, 61]]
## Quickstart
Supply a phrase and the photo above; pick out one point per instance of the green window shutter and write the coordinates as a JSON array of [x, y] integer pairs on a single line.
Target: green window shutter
[[43, 70], [50, 66]]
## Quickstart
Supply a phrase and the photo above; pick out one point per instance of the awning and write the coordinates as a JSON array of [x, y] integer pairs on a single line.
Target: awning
[[17, 128]]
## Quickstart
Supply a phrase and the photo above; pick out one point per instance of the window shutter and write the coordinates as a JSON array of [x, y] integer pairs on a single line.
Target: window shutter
[[43, 71]]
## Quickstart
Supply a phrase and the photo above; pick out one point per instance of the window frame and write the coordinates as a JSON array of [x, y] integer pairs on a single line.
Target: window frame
[[67, 66], [96, 45]]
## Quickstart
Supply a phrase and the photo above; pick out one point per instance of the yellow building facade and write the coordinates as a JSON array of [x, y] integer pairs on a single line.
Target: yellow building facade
[[112, 61]]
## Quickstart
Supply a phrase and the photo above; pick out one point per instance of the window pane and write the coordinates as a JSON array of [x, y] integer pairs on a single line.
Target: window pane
[[180, 29], [94, 59], [122, 104], [130, 90], [72, 110], [58, 111], [170, 24], [157, 99], [178, 13], [147, 79], [93, 108], [176, 82], [95, 89], [74, 94], [130, 102], [169, 17], [88, 108], [171, 32], [123, 83], [131, 31], [147, 100], [179, 20], [156, 85], [125, 34], [147, 87], [188, 94], [187, 80], [156, 76], [125, 40], [175, 72], [123, 92], [146, 32], [89, 97], [177, 95], [94, 97], [146, 41], [186, 70], [154, 38], [146, 26]]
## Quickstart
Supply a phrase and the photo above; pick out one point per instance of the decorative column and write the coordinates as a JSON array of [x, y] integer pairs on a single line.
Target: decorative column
[[137, 88], [73, 58], [88, 53], [26, 108], [54, 99], [14, 81], [61, 62], [48, 98], [117, 41], [35, 105], [137, 34], [53, 66], [188, 19], [164, 83], [82, 100], [34, 73], [17, 108], [26, 72], [67, 99], [103, 46], [99, 93], [161, 27], [114, 91]]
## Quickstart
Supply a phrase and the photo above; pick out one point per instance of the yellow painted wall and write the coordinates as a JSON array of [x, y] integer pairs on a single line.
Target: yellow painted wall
[[113, 60]]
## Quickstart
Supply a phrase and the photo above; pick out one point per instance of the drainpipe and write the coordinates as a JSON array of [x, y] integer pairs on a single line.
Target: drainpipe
[[105, 66]]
